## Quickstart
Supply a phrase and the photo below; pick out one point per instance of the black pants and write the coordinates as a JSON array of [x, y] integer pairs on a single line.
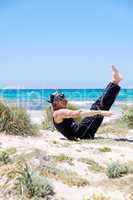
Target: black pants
[[105, 102]]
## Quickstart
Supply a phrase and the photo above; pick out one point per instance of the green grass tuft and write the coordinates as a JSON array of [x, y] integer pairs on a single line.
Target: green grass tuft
[[105, 149], [16, 121], [116, 170], [31, 184], [63, 158], [4, 157], [92, 165]]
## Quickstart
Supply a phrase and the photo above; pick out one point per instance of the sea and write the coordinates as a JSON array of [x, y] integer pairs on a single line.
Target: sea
[[36, 99]]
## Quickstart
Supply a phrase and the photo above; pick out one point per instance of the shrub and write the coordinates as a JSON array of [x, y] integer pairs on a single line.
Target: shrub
[[127, 116], [4, 157], [15, 121], [116, 170], [31, 184]]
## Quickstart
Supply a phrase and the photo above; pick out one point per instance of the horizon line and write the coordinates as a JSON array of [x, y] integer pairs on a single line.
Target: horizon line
[[123, 88]]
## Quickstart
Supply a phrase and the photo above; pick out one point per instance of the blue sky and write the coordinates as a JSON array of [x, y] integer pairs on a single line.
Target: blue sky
[[65, 43]]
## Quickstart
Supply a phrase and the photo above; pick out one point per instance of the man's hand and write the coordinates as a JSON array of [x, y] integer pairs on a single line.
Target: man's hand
[[107, 113], [87, 113]]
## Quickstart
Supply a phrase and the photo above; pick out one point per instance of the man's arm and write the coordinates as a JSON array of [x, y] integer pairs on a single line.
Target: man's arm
[[87, 113], [61, 114]]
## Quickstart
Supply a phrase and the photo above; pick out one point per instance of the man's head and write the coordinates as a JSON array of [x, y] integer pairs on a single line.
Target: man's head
[[58, 100]]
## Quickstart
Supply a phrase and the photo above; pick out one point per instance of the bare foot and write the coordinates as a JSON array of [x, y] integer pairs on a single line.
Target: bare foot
[[116, 76]]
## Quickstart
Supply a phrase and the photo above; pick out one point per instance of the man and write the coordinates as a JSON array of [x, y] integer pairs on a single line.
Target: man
[[63, 118]]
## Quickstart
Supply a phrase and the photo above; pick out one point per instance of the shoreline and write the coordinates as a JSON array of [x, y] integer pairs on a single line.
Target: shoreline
[[37, 104]]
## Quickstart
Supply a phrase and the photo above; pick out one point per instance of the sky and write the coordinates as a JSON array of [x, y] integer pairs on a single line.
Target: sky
[[65, 43]]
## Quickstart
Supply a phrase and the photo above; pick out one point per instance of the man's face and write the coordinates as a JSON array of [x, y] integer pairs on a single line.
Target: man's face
[[61, 103]]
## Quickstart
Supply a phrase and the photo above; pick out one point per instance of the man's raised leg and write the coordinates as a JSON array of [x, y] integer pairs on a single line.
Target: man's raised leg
[[110, 93], [103, 103]]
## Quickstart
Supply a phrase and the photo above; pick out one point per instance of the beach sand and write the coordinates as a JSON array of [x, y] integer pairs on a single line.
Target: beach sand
[[53, 144]]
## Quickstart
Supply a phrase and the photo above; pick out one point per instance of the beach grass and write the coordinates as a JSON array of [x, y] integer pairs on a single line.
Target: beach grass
[[31, 184], [119, 126], [22, 182], [4, 157], [63, 158], [16, 121], [47, 123], [92, 165], [127, 116]]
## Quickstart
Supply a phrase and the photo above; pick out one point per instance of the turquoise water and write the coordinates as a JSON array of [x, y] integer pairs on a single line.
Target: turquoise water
[[37, 98]]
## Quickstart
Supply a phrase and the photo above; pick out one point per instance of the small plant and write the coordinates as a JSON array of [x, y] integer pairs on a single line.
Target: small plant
[[15, 121], [92, 165], [63, 158], [116, 170], [105, 149], [127, 116], [31, 184], [97, 197], [4, 157], [55, 142]]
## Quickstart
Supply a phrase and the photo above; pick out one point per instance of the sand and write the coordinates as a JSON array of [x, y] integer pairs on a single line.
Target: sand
[[54, 144]]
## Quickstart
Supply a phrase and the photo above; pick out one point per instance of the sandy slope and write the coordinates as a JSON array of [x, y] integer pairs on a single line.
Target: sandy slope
[[54, 144]]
